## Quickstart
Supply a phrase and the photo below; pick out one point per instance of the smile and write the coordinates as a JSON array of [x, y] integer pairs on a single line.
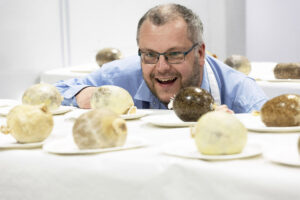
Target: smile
[[166, 80]]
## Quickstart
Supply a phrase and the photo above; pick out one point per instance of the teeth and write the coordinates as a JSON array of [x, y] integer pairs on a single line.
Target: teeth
[[166, 80]]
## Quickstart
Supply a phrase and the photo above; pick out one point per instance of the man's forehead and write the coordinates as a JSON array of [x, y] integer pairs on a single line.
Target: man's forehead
[[149, 29], [172, 35], [177, 21]]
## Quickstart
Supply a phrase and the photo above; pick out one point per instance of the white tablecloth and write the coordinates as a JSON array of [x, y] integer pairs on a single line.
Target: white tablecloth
[[261, 71], [145, 173]]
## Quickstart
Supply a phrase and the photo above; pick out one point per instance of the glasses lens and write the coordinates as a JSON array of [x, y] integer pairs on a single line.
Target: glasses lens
[[175, 57], [149, 57], [171, 57]]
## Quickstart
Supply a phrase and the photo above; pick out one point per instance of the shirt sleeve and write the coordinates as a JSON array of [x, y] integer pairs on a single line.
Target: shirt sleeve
[[69, 88], [248, 97], [125, 73], [239, 92]]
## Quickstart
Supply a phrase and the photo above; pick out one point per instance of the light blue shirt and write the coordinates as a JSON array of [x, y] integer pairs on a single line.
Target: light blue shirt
[[238, 91]]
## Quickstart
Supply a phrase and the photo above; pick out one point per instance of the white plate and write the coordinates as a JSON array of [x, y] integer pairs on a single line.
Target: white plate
[[283, 80], [8, 142], [254, 123], [8, 102], [62, 110], [137, 115], [77, 112], [188, 149], [5, 110], [68, 147], [284, 157], [167, 120]]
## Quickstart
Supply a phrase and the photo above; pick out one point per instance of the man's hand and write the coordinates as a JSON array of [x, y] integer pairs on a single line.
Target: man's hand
[[223, 108], [83, 98]]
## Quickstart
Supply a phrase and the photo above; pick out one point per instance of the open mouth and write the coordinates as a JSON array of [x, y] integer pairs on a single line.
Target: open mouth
[[166, 80]]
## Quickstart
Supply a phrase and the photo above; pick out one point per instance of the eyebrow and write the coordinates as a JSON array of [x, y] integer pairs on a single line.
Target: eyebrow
[[173, 49]]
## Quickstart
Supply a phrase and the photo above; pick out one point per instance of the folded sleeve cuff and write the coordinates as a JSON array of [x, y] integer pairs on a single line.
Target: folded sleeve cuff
[[69, 95]]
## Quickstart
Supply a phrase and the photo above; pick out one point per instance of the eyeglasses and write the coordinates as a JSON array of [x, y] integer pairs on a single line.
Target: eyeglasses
[[175, 57]]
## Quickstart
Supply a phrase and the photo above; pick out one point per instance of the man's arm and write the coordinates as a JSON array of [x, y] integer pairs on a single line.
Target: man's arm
[[83, 98], [224, 108], [118, 72], [78, 91], [69, 89]]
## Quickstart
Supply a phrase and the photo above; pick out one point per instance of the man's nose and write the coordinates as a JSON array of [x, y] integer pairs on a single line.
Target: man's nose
[[162, 63]]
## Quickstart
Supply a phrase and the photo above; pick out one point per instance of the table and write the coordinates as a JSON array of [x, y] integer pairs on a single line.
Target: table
[[65, 73], [262, 72], [145, 173], [273, 89]]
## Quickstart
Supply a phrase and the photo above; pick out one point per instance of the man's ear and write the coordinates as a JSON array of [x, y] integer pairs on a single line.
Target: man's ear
[[201, 53], [201, 49]]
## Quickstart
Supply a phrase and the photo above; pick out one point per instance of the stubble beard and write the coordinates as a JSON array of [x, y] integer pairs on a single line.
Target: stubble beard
[[193, 80]]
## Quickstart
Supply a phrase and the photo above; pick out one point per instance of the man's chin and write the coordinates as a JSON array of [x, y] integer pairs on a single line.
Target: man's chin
[[165, 99], [165, 96]]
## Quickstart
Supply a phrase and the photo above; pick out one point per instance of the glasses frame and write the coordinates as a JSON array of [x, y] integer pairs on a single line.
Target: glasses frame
[[140, 52]]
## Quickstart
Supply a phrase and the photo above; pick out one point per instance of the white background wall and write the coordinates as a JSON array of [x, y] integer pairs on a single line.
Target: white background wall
[[273, 30], [95, 25], [38, 35], [30, 43]]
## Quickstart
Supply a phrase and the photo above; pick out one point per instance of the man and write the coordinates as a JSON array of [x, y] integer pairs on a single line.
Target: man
[[171, 56]]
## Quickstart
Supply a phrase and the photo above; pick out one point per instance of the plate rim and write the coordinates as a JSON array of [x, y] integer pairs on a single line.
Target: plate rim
[[289, 129], [6, 109], [16, 145], [264, 128], [201, 156], [46, 145], [167, 124], [282, 160], [124, 116], [139, 114], [271, 79], [64, 109], [12, 102]]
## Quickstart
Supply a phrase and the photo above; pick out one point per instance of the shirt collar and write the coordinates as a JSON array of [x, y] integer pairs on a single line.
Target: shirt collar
[[144, 94], [205, 81]]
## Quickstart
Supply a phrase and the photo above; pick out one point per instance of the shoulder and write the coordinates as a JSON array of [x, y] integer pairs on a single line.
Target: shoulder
[[221, 68], [240, 92], [225, 74]]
